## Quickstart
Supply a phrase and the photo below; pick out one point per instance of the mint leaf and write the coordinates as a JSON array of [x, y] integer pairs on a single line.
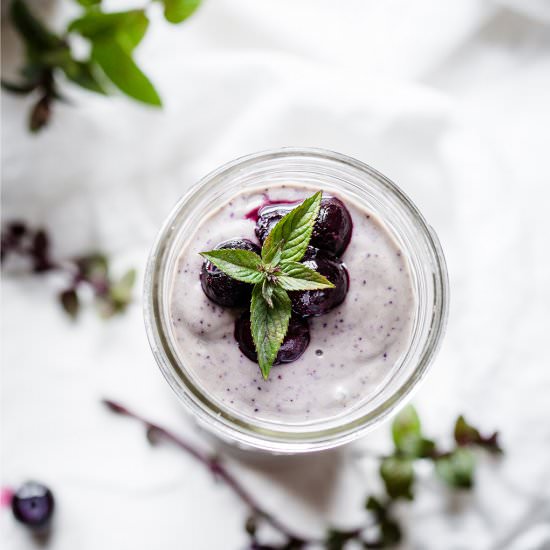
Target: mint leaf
[[465, 434], [242, 265], [269, 325], [69, 302], [16, 88], [176, 11], [121, 69], [374, 505], [297, 276], [89, 3], [37, 37], [457, 468], [398, 476], [288, 240], [407, 435], [267, 292], [337, 539], [406, 425], [121, 291], [390, 533], [83, 74], [125, 27]]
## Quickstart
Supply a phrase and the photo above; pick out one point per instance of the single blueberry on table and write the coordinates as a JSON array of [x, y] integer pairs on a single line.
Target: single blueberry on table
[[331, 232], [295, 343], [221, 288], [33, 505], [312, 303]]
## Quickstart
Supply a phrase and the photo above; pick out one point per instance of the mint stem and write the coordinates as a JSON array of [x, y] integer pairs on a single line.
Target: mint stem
[[217, 468]]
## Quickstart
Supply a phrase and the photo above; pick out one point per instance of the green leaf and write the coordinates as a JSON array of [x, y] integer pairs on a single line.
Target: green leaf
[[406, 425], [176, 11], [251, 525], [407, 435], [83, 74], [297, 276], [269, 325], [127, 28], [93, 266], [398, 476], [242, 265], [89, 3], [35, 34], [465, 434], [267, 292], [121, 69], [23, 88], [375, 506], [121, 292], [288, 240], [457, 468], [337, 539], [390, 533], [69, 302]]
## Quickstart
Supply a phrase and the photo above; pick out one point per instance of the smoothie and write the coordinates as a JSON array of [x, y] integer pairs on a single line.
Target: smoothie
[[353, 350]]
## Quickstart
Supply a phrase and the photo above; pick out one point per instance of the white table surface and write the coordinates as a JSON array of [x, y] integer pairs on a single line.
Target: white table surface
[[449, 99]]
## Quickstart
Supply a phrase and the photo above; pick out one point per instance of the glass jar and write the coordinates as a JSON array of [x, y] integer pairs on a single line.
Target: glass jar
[[347, 177]]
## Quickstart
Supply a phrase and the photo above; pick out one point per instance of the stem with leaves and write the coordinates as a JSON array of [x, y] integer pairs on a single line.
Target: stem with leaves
[[275, 272], [112, 296], [112, 38], [155, 433], [381, 528]]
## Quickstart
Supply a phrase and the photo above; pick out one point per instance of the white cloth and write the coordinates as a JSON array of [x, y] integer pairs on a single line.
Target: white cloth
[[449, 99]]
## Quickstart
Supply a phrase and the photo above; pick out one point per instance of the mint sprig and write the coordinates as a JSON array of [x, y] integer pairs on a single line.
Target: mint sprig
[[111, 37], [381, 527], [272, 274]]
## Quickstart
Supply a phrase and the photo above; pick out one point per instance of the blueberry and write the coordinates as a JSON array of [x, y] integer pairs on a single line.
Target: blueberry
[[221, 288], [294, 344], [268, 216], [33, 505], [331, 232], [311, 303]]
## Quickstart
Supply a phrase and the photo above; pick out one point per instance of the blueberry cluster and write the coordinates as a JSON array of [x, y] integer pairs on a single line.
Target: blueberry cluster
[[330, 238]]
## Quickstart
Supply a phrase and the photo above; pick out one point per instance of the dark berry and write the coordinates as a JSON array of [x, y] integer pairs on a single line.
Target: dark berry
[[33, 504], [221, 288], [268, 216], [311, 303], [294, 344], [331, 232]]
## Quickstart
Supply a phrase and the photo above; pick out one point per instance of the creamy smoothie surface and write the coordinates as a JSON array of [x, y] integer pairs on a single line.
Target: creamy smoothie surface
[[353, 349]]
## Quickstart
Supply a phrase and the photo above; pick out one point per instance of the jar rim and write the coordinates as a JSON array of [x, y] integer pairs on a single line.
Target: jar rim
[[224, 424]]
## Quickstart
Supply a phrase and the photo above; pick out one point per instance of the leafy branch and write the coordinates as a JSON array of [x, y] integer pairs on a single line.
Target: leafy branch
[[276, 271], [381, 528], [90, 272], [111, 37]]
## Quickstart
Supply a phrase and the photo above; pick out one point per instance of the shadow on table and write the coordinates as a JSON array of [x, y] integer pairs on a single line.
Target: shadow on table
[[309, 478]]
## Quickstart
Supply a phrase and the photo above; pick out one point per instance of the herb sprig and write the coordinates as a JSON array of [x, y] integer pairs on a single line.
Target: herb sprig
[[381, 528], [89, 272], [112, 38], [275, 272]]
